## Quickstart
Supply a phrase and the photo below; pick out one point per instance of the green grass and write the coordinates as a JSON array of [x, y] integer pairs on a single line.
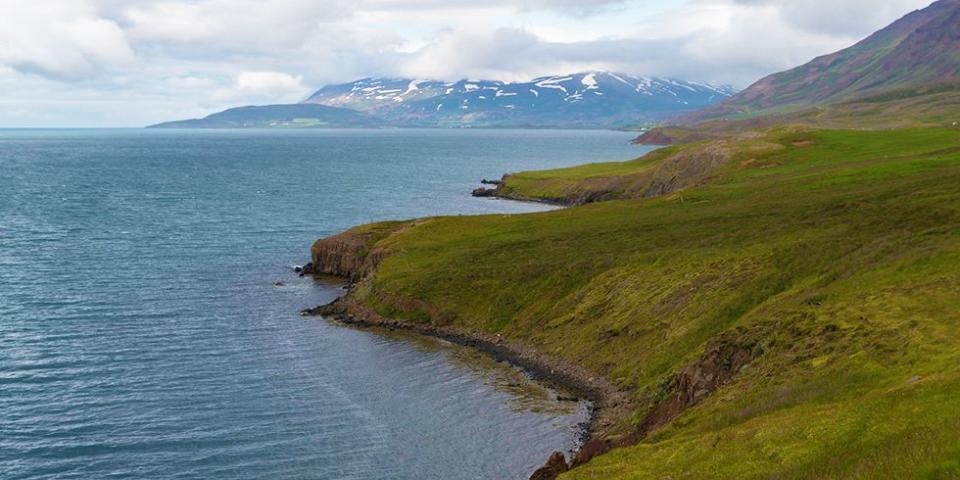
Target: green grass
[[562, 183], [837, 252], [930, 106]]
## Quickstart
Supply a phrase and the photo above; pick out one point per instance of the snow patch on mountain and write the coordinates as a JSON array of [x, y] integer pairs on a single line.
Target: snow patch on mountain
[[587, 98]]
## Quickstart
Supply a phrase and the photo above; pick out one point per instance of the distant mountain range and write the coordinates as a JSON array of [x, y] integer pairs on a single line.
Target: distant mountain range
[[582, 100], [280, 116], [921, 49]]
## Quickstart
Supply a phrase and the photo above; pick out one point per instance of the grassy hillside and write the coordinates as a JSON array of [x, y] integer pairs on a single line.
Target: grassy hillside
[[919, 49], [919, 107], [814, 272]]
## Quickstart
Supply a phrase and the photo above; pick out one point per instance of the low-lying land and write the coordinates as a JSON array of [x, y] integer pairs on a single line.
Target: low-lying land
[[783, 305]]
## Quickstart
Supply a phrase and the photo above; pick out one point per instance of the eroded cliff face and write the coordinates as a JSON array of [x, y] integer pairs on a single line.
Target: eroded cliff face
[[349, 254], [720, 362]]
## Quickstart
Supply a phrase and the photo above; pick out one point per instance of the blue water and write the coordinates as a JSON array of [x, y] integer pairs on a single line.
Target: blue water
[[142, 336]]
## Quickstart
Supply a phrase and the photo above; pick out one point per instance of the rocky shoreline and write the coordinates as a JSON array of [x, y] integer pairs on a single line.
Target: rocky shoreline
[[608, 404], [355, 255], [352, 256]]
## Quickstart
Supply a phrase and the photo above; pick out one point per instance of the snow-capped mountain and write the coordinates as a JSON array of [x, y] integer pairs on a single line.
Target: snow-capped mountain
[[588, 99]]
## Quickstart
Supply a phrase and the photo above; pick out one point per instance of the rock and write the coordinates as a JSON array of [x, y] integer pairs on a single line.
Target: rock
[[307, 269], [349, 255], [556, 465], [484, 192], [278, 284], [297, 269]]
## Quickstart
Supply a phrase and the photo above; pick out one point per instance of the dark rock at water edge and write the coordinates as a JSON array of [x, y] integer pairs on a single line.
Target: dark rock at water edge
[[307, 269], [484, 192], [556, 465]]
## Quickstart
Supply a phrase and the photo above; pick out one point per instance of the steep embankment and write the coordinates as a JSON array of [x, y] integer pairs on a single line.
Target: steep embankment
[[794, 317]]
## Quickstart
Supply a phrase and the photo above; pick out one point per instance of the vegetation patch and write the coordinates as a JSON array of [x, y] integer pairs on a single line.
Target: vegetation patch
[[792, 314]]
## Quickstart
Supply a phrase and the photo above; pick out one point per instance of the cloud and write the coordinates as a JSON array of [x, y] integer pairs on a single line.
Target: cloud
[[65, 40], [845, 18], [188, 82], [718, 41], [264, 87], [235, 24], [204, 55]]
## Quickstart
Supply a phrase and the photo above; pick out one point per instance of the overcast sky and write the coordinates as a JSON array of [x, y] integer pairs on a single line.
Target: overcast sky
[[129, 63]]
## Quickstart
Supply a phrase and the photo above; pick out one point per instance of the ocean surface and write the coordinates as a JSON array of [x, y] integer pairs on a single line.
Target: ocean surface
[[142, 335]]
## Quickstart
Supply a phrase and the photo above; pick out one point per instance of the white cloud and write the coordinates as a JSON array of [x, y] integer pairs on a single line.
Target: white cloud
[[204, 55], [65, 40], [264, 87], [844, 18], [188, 82]]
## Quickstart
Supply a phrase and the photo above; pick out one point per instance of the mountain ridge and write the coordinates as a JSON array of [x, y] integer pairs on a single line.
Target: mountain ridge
[[279, 116], [920, 48], [593, 98], [580, 100]]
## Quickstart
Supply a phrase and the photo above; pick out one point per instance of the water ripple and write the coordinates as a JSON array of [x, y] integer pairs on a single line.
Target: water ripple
[[141, 335]]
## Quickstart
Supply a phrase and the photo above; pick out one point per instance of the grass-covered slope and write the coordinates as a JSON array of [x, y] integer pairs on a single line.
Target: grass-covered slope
[[659, 173], [796, 316], [917, 50], [920, 107]]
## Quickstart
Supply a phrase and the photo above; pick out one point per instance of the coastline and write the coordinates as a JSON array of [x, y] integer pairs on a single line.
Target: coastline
[[497, 193], [608, 405]]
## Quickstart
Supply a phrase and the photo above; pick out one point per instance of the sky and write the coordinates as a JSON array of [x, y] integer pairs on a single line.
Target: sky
[[115, 63]]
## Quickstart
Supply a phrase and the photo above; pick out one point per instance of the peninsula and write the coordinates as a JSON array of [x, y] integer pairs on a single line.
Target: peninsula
[[774, 295]]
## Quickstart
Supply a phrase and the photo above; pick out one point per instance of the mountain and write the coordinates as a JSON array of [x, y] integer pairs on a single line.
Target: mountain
[[920, 49], [280, 116], [588, 99], [582, 100]]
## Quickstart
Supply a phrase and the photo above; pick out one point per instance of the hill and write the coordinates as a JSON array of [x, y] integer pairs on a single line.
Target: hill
[[921, 49], [280, 116], [588, 99], [772, 297], [789, 313]]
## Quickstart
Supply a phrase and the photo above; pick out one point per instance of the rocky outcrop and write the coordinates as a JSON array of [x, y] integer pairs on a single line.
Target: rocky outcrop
[[484, 192], [722, 360], [555, 465], [350, 255]]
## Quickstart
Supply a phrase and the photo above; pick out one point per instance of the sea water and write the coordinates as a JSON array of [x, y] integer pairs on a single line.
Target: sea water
[[143, 336]]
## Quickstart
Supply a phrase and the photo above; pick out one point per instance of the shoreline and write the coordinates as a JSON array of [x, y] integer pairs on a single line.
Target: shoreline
[[496, 193], [608, 405]]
